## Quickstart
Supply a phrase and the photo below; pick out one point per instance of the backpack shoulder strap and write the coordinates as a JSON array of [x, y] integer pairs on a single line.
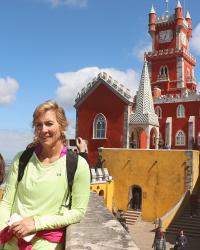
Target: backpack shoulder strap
[[23, 160], [71, 165]]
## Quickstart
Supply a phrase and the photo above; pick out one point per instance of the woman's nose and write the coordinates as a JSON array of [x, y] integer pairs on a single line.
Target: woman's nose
[[44, 128]]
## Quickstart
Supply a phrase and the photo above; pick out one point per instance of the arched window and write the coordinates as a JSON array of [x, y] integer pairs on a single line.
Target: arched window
[[99, 127], [163, 73], [180, 112], [180, 138], [158, 112]]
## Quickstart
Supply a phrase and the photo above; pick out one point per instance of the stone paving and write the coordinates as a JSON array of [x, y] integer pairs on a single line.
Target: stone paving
[[98, 230], [143, 236]]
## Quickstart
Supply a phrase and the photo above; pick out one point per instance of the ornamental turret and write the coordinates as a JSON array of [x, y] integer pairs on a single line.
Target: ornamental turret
[[152, 21], [189, 21], [179, 14]]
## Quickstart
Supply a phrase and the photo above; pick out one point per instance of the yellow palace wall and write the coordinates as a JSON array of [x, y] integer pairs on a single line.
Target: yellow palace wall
[[105, 190], [160, 174]]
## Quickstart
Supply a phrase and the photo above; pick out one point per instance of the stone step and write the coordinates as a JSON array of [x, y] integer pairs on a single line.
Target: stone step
[[185, 227], [131, 216], [190, 225], [175, 231]]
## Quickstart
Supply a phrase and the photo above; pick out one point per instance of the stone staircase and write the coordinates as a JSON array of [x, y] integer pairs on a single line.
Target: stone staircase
[[132, 216], [189, 225]]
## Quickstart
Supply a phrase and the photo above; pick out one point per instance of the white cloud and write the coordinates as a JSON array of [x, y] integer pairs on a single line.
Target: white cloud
[[195, 41], [70, 83], [140, 49], [13, 141], [8, 90], [74, 3]]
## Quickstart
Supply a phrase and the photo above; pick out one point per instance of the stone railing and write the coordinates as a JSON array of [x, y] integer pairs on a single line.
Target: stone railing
[[98, 230]]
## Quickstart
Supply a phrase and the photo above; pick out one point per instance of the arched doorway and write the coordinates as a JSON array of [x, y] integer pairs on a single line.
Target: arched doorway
[[135, 201]]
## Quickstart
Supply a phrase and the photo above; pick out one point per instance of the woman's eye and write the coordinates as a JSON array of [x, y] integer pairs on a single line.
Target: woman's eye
[[49, 124], [38, 125]]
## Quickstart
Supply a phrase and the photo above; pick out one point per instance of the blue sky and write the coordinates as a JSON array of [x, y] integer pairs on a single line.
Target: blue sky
[[50, 49]]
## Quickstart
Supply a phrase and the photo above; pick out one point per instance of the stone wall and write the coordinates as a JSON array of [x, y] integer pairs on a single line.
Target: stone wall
[[98, 230]]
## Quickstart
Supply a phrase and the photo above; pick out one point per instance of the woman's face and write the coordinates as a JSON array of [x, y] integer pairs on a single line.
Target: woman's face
[[47, 129]]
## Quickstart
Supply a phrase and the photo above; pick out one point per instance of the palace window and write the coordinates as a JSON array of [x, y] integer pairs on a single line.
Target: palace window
[[180, 111], [180, 138], [99, 127], [158, 112]]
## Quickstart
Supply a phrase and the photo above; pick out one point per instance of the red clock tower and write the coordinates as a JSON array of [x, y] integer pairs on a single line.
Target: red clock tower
[[171, 65], [171, 68]]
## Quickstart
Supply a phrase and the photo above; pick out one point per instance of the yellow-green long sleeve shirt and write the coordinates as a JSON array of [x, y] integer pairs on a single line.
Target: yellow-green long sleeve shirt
[[42, 193]]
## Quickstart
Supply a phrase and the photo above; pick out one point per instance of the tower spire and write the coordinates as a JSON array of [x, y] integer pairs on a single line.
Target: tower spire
[[167, 7]]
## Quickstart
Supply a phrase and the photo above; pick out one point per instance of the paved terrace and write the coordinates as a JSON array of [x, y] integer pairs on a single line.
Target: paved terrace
[[98, 230]]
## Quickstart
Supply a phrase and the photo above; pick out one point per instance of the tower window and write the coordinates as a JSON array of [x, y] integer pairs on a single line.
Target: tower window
[[163, 73], [158, 112], [180, 111], [180, 138], [99, 127]]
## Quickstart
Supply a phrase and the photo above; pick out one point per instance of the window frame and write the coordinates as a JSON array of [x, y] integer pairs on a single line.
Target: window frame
[[182, 139], [99, 117]]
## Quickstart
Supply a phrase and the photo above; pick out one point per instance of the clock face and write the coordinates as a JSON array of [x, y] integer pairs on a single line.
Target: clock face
[[183, 39], [165, 36]]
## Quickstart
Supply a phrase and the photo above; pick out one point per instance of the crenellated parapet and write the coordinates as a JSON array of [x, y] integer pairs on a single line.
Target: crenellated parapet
[[170, 52], [166, 19], [108, 80], [175, 98]]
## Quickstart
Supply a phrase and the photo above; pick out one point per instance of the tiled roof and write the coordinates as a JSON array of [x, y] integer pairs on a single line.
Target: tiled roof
[[144, 113]]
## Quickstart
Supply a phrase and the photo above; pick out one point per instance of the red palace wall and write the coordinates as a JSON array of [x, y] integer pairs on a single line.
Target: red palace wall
[[169, 110], [101, 100]]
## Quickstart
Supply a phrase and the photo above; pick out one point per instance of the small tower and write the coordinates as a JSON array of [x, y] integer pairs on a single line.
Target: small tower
[[179, 15], [189, 21], [152, 24], [144, 119]]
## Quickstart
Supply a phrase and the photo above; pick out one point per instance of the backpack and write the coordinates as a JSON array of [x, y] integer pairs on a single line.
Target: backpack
[[71, 160]]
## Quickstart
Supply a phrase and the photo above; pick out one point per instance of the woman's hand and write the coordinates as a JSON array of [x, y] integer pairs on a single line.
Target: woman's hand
[[23, 227]]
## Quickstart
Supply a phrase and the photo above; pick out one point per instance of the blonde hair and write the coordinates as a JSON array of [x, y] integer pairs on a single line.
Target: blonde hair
[[60, 117], [2, 169]]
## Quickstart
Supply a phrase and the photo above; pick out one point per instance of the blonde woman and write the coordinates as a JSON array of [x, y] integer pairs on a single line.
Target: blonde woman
[[39, 198]]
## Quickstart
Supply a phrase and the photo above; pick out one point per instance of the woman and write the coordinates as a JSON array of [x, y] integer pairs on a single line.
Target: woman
[[39, 198], [2, 169]]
